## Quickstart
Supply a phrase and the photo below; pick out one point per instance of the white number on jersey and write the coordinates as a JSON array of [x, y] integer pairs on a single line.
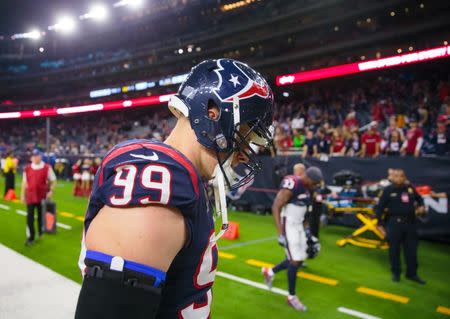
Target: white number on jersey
[[163, 186], [126, 178], [198, 311], [288, 183], [126, 182], [204, 277]]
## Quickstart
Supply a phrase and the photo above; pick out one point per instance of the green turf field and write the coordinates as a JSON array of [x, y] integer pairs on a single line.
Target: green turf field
[[351, 267]]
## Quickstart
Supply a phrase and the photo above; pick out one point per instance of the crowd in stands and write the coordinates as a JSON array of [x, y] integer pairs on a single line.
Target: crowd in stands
[[87, 135], [382, 117], [378, 116]]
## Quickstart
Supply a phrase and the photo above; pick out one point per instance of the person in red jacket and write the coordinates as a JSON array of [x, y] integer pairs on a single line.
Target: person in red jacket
[[38, 184], [414, 139], [370, 142]]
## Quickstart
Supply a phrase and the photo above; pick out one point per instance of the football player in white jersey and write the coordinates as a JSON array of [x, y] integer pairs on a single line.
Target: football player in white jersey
[[289, 209]]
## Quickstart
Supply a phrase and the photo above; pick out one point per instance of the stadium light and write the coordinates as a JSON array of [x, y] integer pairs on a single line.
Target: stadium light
[[41, 49], [33, 34], [132, 3], [98, 12], [65, 24]]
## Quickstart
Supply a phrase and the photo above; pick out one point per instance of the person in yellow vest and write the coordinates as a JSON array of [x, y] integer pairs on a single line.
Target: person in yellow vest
[[9, 170]]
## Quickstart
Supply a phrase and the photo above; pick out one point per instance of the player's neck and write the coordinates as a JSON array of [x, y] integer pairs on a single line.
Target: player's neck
[[183, 139]]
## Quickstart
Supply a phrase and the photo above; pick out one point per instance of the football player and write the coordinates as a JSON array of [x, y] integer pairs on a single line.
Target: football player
[[289, 209], [149, 231]]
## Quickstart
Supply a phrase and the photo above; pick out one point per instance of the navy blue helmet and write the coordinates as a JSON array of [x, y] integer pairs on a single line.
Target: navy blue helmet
[[245, 102]]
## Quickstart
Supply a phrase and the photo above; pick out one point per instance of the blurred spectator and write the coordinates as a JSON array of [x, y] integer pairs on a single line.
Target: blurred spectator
[[423, 115], [441, 138], [378, 114], [393, 144], [310, 147], [323, 142], [350, 121], [298, 139], [393, 128], [414, 139], [281, 140], [370, 142], [354, 145], [338, 145], [298, 122]]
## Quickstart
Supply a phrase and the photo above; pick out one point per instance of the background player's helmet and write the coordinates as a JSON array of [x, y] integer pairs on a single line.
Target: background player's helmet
[[242, 96]]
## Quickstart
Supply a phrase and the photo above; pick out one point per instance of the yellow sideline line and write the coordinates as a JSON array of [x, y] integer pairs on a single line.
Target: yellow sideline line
[[257, 263], [301, 274], [322, 280], [80, 218], [66, 214], [444, 310], [226, 255], [382, 294]]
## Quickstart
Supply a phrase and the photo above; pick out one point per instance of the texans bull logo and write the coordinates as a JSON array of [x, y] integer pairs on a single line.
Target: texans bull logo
[[239, 84]]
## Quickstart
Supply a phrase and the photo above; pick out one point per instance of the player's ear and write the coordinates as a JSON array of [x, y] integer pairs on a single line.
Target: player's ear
[[213, 110]]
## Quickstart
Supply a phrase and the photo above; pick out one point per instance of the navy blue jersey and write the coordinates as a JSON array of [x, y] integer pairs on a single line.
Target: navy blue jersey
[[143, 172], [300, 194], [311, 142]]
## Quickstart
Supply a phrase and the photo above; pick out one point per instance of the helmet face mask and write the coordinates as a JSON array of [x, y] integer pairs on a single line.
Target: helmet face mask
[[245, 136]]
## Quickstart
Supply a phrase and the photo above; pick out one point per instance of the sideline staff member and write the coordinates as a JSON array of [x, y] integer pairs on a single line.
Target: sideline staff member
[[9, 170], [38, 184], [401, 201]]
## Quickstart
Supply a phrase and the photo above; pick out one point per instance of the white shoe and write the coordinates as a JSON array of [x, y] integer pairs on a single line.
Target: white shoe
[[295, 303], [268, 276]]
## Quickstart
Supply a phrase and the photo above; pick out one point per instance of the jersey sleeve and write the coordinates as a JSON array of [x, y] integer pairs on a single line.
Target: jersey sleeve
[[288, 182], [143, 173]]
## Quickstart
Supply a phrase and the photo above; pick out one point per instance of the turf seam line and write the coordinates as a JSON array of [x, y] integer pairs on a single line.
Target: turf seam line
[[383, 294], [251, 283], [356, 313], [247, 243]]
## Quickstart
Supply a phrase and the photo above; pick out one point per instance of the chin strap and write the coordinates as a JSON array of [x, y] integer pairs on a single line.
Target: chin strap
[[221, 201]]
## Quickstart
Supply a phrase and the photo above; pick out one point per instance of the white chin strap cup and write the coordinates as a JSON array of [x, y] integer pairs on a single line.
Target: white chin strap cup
[[220, 200]]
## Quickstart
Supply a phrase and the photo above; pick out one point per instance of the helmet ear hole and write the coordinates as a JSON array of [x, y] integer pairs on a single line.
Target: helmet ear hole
[[213, 110]]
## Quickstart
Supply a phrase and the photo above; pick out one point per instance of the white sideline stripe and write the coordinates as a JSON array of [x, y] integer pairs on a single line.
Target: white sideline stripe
[[21, 212], [24, 213], [252, 283], [247, 243], [355, 313], [24, 279], [68, 227], [5, 207]]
